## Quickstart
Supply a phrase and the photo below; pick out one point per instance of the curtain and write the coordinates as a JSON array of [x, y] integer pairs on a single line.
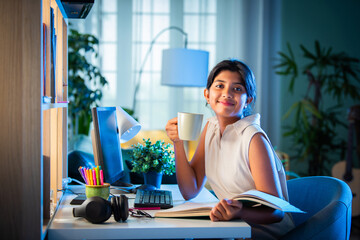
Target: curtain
[[249, 30]]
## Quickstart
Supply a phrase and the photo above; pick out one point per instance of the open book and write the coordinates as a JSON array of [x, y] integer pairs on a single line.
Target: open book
[[250, 198]]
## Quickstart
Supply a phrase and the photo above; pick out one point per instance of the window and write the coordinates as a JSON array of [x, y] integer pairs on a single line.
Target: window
[[155, 104]]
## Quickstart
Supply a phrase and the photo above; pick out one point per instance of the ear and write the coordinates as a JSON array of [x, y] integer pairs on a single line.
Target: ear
[[206, 94], [249, 100]]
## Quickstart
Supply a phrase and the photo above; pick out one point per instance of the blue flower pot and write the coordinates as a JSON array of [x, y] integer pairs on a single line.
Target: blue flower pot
[[153, 178]]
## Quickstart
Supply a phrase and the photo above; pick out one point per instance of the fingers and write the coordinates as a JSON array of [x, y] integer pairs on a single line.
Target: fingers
[[172, 129], [225, 210]]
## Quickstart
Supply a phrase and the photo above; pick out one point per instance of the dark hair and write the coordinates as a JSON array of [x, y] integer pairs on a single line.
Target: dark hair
[[246, 75]]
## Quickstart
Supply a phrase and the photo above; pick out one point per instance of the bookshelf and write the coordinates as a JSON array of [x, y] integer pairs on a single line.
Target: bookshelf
[[33, 134], [54, 114]]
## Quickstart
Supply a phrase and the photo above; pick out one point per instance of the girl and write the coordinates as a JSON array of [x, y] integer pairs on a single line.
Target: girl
[[234, 154]]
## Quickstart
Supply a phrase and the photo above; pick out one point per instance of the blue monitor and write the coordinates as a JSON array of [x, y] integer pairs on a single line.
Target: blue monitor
[[106, 143]]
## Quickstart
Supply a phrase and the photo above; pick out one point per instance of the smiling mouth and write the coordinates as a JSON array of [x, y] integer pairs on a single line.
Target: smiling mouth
[[227, 103]]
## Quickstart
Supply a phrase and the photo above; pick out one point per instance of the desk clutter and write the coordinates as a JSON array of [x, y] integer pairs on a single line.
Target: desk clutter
[[97, 208]]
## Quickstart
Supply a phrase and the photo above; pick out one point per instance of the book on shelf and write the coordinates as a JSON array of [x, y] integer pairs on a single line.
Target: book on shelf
[[53, 55], [251, 198], [44, 59]]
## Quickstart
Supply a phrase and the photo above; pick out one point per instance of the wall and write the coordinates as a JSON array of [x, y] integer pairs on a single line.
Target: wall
[[335, 24]]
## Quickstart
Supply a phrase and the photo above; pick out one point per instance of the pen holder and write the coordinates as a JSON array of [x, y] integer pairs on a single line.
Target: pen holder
[[98, 190]]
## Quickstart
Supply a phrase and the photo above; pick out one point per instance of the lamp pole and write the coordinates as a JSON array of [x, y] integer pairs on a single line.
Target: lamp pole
[[137, 84]]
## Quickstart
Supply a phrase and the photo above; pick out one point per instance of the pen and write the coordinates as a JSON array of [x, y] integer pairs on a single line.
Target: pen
[[84, 174], [97, 175], [90, 177], [87, 176], [81, 171], [94, 176], [101, 177]]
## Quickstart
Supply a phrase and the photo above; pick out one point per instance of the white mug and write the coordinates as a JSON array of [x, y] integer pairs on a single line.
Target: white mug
[[189, 125]]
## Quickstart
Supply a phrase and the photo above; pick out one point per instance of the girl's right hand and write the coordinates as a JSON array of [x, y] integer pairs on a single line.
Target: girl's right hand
[[172, 130]]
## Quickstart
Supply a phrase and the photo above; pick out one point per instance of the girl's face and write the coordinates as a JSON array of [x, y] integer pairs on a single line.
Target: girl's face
[[227, 95]]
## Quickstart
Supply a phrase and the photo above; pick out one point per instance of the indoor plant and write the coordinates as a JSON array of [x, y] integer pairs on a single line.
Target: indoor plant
[[85, 81], [153, 160], [313, 131]]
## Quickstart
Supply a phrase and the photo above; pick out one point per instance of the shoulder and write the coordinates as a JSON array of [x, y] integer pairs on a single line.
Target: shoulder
[[249, 126], [212, 124]]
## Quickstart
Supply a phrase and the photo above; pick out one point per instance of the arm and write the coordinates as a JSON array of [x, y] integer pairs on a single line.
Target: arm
[[190, 176], [263, 169]]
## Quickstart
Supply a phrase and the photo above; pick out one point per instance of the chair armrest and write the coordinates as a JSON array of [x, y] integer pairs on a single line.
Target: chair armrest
[[326, 224]]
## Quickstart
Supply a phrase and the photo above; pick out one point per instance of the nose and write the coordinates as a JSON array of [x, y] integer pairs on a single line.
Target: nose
[[226, 93]]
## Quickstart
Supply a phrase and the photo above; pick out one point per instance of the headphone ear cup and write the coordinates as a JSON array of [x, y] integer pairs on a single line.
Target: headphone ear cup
[[120, 208], [94, 209], [115, 206], [124, 207]]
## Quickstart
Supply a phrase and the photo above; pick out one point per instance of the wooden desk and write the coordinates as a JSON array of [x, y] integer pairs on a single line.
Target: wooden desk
[[65, 226]]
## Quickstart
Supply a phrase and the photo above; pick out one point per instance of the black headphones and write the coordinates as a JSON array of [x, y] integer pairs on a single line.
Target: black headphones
[[98, 210]]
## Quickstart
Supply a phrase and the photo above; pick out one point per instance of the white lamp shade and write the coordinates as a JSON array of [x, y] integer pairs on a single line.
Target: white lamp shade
[[128, 126], [184, 67]]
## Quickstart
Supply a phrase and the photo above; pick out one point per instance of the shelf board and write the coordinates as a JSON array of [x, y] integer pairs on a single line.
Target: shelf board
[[46, 106]]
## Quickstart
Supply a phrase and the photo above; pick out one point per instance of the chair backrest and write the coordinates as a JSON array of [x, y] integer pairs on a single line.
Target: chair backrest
[[321, 197]]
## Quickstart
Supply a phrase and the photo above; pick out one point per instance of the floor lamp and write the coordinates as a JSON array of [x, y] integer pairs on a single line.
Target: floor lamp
[[181, 67]]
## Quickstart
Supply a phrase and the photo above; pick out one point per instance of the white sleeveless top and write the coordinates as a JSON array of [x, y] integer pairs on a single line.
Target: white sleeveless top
[[228, 172]]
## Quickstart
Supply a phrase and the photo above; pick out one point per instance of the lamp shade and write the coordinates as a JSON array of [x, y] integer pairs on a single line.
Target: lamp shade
[[128, 126], [184, 67]]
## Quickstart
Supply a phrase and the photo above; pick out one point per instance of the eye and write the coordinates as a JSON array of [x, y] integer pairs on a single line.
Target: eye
[[239, 89], [219, 85]]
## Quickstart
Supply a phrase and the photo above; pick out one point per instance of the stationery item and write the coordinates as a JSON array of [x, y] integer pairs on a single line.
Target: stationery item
[[98, 190], [91, 178], [97, 175], [82, 174], [189, 125], [251, 198], [94, 177], [87, 176], [102, 177]]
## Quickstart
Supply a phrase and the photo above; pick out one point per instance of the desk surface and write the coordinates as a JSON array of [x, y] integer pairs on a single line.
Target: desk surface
[[65, 226]]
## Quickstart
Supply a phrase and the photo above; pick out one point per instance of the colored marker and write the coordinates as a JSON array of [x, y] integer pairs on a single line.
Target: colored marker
[[101, 177], [90, 177], [94, 176], [97, 175]]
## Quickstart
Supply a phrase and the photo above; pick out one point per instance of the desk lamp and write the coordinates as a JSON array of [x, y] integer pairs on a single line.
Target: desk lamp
[[128, 126]]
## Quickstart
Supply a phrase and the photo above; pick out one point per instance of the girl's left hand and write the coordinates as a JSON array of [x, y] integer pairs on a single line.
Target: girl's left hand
[[226, 210]]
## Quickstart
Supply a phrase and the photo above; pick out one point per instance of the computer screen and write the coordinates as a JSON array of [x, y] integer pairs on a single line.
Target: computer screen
[[106, 143]]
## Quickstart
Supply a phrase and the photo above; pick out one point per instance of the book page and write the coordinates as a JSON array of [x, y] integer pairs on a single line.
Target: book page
[[268, 200], [188, 209]]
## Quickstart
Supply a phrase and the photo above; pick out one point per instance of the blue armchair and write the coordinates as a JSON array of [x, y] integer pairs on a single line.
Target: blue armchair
[[327, 203]]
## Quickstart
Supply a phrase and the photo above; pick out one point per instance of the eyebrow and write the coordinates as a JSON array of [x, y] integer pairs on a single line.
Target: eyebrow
[[237, 83]]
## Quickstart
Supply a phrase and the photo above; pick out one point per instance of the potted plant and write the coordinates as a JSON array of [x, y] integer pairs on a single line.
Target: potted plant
[[85, 81], [153, 160], [313, 130]]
